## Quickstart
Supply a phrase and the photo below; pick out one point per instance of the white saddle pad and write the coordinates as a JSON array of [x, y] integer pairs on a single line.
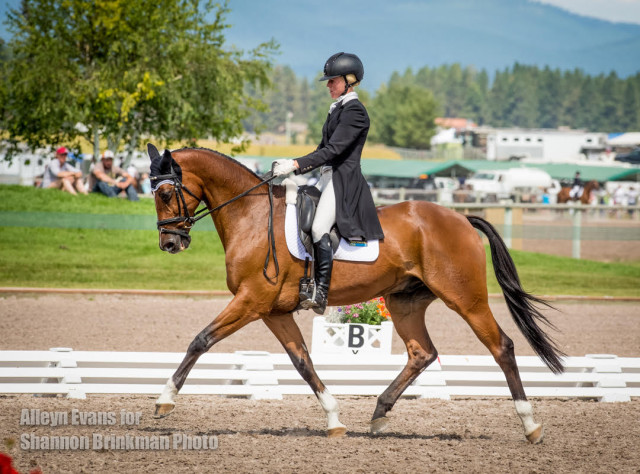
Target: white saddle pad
[[344, 252]]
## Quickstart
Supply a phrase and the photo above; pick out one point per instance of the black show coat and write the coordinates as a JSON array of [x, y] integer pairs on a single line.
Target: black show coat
[[343, 136]]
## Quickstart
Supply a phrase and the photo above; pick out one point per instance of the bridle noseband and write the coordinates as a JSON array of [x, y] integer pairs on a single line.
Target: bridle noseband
[[189, 221], [173, 179]]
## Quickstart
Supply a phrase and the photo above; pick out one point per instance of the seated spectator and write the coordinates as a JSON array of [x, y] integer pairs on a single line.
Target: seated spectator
[[62, 175], [111, 180]]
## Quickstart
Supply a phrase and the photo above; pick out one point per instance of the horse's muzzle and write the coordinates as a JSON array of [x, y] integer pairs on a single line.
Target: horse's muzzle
[[173, 243]]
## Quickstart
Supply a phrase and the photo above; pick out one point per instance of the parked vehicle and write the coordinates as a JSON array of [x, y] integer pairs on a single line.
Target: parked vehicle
[[632, 157], [504, 184]]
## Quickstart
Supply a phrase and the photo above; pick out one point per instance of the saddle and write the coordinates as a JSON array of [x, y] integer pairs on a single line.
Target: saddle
[[306, 205]]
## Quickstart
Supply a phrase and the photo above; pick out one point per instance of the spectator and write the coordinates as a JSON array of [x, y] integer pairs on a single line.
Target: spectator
[[60, 174], [620, 196], [134, 173], [632, 198], [111, 180]]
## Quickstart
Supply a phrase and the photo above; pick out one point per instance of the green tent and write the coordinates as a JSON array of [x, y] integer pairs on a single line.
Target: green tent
[[411, 169]]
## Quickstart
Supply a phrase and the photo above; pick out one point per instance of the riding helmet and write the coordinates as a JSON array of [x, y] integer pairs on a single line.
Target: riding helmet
[[341, 64]]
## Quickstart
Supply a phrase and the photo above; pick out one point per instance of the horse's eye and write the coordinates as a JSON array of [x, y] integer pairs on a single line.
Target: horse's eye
[[166, 196]]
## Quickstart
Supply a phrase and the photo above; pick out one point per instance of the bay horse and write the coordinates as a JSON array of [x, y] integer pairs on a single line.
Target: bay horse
[[565, 196], [428, 252]]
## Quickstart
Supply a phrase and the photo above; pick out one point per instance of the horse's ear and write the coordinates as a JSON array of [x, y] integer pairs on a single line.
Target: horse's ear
[[152, 151], [165, 163]]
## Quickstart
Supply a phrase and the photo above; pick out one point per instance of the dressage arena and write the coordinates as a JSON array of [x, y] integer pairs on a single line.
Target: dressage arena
[[289, 435]]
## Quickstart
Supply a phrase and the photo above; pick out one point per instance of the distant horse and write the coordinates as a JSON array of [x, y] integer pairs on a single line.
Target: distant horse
[[564, 194], [428, 252]]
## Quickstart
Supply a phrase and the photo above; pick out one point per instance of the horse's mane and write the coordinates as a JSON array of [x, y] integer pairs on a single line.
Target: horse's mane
[[279, 190], [234, 161]]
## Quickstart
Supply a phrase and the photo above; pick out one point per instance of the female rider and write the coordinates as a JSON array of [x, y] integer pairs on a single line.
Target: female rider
[[346, 200]]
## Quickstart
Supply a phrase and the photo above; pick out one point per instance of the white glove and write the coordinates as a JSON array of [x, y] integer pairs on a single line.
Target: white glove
[[283, 167]]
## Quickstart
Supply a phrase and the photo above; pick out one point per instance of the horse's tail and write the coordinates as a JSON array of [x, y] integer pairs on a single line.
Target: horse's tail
[[520, 303]]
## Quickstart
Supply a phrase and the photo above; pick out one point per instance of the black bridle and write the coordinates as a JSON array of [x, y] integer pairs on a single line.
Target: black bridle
[[190, 221]]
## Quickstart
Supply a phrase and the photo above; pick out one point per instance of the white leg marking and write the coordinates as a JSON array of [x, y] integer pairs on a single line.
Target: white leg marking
[[168, 394], [525, 412], [330, 407]]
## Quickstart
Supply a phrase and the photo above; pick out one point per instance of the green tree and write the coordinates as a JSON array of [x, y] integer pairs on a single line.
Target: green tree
[[127, 70], [630, 119], [523, 110], [612, 93], [550, 93], [403, 115], [319, 102], [4, 57]]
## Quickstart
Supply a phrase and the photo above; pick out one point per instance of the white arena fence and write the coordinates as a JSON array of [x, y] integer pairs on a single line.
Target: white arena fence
[[262, 375]]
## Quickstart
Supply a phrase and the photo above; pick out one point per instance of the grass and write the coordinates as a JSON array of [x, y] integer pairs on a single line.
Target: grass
[[14, 198], [95, 258], [543, 274], [122, 252]]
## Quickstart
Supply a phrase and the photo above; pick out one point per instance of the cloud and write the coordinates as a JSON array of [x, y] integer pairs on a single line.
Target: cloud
[[626, 11]]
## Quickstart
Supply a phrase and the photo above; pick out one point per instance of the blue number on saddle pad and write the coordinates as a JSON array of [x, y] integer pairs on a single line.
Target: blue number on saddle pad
[[358, 243]]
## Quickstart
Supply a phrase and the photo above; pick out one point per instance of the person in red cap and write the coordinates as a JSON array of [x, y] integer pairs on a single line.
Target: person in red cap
[[62, 175], [110, 179]]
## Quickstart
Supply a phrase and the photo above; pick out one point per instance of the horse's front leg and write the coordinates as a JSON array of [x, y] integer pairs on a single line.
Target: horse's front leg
[[284, 327], [237, 314]]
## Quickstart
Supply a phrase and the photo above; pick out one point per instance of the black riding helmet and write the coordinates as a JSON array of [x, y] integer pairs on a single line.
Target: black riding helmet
[[341, 64]]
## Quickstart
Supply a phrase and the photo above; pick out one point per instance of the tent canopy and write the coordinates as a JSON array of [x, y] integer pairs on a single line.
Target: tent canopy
[[411, 169]]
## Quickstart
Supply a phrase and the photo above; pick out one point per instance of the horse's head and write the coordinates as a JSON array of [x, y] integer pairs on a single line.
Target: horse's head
[[175, 210]]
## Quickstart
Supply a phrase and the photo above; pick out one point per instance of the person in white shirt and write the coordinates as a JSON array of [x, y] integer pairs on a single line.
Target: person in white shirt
[[62, 175]]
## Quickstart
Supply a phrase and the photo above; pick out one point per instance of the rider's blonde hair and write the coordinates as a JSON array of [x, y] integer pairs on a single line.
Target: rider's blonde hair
[[351, 80]]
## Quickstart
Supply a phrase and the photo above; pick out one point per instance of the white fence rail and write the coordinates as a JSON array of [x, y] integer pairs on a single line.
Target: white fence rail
[[261, 375]]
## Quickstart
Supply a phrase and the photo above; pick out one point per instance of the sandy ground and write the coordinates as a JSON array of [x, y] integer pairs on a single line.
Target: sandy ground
[[462, 435]]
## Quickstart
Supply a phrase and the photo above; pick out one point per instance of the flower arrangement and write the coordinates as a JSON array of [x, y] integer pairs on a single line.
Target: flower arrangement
[[371, 312]]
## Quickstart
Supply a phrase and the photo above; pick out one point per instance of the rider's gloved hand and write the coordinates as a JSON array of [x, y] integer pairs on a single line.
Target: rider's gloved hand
[[282, 167]]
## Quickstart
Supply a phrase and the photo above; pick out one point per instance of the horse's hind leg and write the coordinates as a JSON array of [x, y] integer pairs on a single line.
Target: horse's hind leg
[[485, 327], [407, 313], [239, 312], [284, 327]]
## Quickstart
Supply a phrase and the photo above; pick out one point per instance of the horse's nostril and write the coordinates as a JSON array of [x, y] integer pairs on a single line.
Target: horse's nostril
[[169, 246]]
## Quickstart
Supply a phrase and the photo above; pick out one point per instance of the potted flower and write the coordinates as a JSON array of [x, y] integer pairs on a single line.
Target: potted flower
[[354, 329]]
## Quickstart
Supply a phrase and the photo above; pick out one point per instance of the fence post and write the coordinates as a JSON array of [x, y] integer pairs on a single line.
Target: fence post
[[609, 366], [508, 223], [70, 378], [433, 382], [577, 223], [260, 374]]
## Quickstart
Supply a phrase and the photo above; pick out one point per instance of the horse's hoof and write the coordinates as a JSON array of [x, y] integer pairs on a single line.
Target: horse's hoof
[[379, 425], [536, 435], [163, 409], [338, 432]]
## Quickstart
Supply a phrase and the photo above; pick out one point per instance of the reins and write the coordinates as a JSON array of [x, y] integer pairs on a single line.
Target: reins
[[191, 220]]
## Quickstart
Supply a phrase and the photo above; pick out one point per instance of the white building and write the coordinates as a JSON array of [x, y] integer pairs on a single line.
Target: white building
[[544, 145]]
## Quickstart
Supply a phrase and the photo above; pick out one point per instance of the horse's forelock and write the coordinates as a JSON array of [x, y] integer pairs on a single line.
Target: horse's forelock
[[162, 165]]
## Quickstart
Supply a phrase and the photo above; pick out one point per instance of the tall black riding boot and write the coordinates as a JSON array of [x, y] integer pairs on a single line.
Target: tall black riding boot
[[323, 265]]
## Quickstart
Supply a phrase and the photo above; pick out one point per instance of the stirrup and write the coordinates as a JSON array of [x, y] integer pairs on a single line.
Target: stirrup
[[307, 293], [320, 302]]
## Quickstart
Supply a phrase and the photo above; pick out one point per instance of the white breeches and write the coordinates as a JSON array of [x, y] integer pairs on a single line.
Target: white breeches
[[326, 212], [575, 192]]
